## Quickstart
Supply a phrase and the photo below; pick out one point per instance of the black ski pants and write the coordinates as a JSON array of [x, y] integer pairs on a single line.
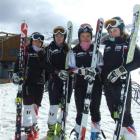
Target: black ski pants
[[80, 93], [55, 89], [113, 93], [33, 94]]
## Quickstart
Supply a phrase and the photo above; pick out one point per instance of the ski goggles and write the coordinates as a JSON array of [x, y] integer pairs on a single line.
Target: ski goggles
[[38, 37], [86, 27], [112, 23], [58, 30]]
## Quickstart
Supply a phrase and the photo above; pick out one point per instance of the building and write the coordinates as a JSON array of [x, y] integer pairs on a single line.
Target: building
[[9, 47]]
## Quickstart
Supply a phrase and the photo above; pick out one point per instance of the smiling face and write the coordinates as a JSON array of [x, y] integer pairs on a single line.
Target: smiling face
[[59, 38], [85, 37]]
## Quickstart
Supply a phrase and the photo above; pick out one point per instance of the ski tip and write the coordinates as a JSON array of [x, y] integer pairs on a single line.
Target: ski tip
[[136, 7], [101, 19], [69, 23]]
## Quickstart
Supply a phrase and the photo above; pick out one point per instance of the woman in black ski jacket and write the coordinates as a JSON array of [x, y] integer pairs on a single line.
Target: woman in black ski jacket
[[81, 59], [115, 55], [33, 87], [57, 74]]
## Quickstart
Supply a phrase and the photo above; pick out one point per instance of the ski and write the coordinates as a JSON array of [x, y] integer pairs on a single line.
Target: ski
[[136, 92], [126, 78], [69, 41], [70, 31], [23, 37], [134, 33], [99, 28], [66, 84]]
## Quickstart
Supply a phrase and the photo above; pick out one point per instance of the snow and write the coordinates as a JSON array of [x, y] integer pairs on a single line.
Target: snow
[[8, 110]]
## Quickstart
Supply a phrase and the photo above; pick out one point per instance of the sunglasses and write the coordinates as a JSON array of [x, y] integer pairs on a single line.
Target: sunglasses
[[58, 30], [112, 23], [38, 37]]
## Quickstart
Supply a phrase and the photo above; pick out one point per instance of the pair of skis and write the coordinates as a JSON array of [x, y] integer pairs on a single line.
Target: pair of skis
[[23, 37], [126, 78]]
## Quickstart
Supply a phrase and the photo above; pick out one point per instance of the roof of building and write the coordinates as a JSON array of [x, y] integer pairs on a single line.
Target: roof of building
[[4, 35]]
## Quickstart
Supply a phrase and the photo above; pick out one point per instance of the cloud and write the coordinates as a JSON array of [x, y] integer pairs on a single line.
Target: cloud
[[39, 15], [44, 15]]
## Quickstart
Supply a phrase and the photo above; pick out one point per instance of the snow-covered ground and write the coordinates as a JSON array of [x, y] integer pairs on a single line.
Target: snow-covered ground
[[8, 109]]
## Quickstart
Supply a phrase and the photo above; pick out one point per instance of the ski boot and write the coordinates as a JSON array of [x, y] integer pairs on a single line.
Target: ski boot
[[59, 132], [128, 133], [74, 135], [95, 131], [51, 132], [95, 136], [29, 133], [36, 131]]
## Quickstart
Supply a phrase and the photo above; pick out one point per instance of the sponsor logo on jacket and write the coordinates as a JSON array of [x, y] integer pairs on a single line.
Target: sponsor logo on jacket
[[107, 49], [118, 48], [56, 51]]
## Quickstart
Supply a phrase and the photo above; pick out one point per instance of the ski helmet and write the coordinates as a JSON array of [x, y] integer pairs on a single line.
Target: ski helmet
[[115, 22], [36, 36], [60, 30], [85, 28]]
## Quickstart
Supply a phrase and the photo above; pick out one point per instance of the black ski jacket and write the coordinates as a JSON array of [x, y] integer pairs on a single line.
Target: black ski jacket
[[34, 66], [83, 59], [115, 54], [56, 58]]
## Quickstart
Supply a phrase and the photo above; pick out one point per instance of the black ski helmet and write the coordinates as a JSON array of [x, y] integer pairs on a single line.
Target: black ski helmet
[[36, 36], [61, 30], [85, 28]]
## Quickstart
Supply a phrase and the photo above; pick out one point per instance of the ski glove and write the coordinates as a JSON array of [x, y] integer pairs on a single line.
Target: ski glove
[[15, 78], [90, 74], [63, 75], [115, 74]]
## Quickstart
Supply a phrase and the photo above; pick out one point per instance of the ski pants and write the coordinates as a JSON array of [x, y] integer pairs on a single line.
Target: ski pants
[[33, 94], [55, 88], [80, 93], [113, 93]]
